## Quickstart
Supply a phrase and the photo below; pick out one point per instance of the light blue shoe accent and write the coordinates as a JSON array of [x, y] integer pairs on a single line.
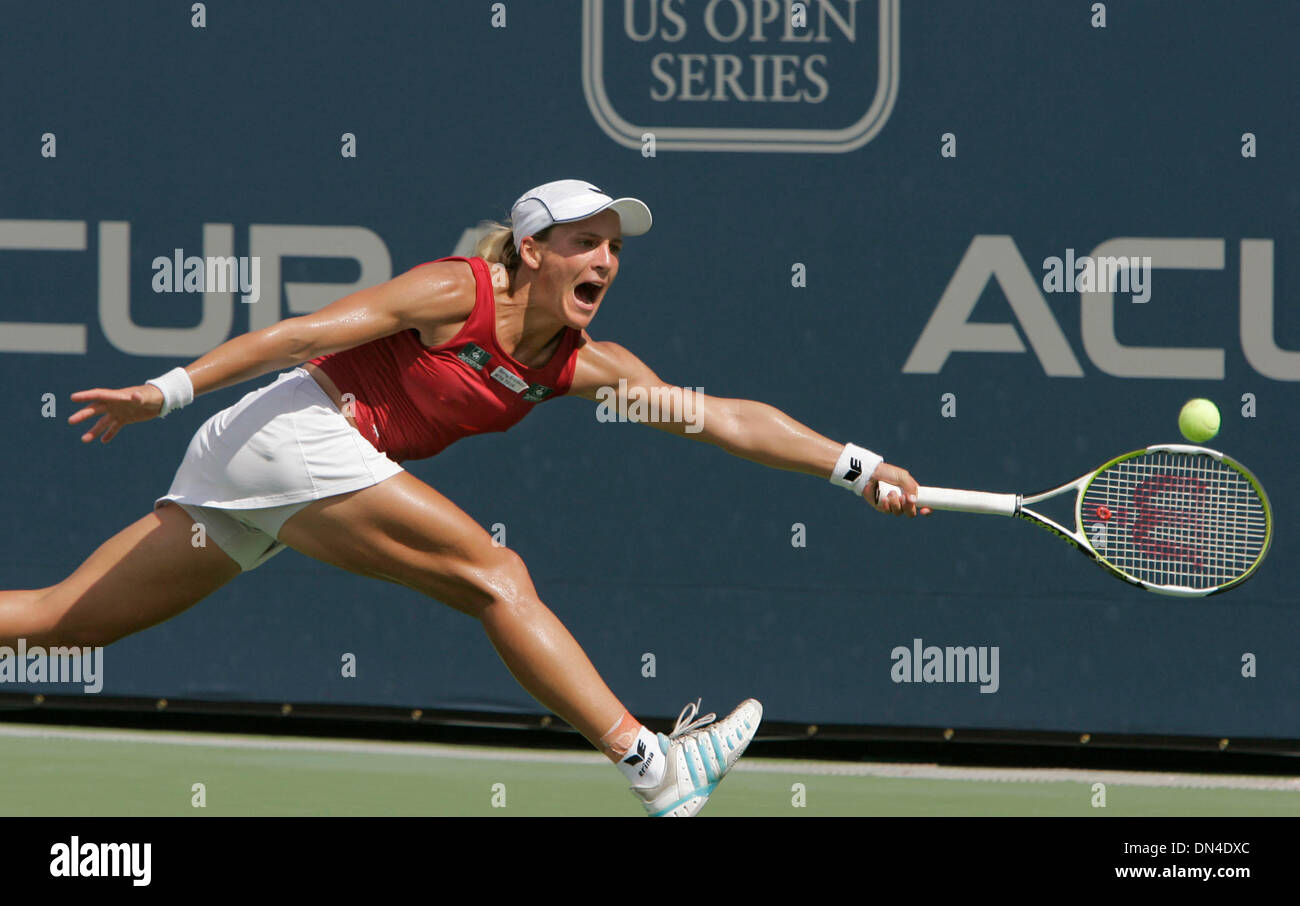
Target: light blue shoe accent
[[690, 730], [707, 791], [717, 750], [708, 774], [695, 778]]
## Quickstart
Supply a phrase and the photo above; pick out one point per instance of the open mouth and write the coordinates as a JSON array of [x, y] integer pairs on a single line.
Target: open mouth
[[586, 293]]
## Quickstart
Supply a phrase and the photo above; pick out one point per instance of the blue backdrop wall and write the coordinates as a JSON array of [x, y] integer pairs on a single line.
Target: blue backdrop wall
[[920, 164]]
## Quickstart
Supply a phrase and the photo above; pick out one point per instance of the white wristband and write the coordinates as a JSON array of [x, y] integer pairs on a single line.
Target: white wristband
[[177, 390], [854, 468]]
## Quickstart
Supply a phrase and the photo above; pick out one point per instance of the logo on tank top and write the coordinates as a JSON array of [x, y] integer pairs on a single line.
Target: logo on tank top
[[474, 356], [536, 393], [509, 378]]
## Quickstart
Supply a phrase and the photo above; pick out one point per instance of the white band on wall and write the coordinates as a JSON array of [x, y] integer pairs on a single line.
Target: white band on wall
[[177, 390], [854, 468]]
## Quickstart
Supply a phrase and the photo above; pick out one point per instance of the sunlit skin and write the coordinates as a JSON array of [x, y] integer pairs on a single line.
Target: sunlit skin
[[544, 301], [402, 530], [531, 315]]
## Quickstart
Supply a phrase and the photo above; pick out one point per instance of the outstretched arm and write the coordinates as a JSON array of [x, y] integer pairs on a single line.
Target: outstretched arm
[[433, 294], [610, 375]]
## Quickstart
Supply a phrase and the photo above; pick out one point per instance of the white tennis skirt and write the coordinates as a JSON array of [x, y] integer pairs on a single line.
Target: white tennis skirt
[[252, 466]]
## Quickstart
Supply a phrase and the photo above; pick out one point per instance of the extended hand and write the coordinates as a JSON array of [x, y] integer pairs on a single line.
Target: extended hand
[[116, 408]]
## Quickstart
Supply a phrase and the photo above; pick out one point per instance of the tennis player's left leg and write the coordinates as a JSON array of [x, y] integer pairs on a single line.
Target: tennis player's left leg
[[148, 572]]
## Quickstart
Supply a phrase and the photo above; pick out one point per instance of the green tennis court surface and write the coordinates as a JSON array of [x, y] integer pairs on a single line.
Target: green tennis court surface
[[92, 772]]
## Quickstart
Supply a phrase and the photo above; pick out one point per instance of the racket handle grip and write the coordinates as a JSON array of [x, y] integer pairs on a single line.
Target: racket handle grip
[[961, 501]]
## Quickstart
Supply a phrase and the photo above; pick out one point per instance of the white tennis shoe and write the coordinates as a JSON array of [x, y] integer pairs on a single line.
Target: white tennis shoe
[[698, 756]]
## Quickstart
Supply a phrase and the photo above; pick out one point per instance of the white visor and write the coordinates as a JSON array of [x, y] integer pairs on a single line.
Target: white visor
[[566, 200]]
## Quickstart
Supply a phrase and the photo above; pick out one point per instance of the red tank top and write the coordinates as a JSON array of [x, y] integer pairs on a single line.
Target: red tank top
[[412, 401]]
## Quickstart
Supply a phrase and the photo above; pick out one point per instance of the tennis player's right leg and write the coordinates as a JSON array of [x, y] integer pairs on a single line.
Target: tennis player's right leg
[[147, 573], [404, 531]]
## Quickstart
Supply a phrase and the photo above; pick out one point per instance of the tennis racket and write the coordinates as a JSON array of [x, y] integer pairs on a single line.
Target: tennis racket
[[1173, 519]]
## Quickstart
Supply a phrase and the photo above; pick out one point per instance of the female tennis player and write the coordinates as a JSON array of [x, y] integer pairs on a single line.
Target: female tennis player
[[311, 461]]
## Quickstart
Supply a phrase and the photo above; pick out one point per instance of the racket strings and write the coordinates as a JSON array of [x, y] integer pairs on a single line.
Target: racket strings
[[1171, 518]]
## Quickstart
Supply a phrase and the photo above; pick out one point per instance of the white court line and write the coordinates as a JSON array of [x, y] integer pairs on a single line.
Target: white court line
[[750, 765]]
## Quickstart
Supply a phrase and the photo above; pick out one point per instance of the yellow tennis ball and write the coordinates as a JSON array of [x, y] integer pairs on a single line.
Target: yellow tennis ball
[[1199, 420]]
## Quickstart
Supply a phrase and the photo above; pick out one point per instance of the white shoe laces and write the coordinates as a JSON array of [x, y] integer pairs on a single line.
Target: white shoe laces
[[687, 721]]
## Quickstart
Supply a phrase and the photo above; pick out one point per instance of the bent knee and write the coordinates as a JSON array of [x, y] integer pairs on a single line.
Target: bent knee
[[495, 578], [503, 578]]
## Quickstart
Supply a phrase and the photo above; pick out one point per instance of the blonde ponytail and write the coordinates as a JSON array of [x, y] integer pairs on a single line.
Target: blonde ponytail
[[498, 246]]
